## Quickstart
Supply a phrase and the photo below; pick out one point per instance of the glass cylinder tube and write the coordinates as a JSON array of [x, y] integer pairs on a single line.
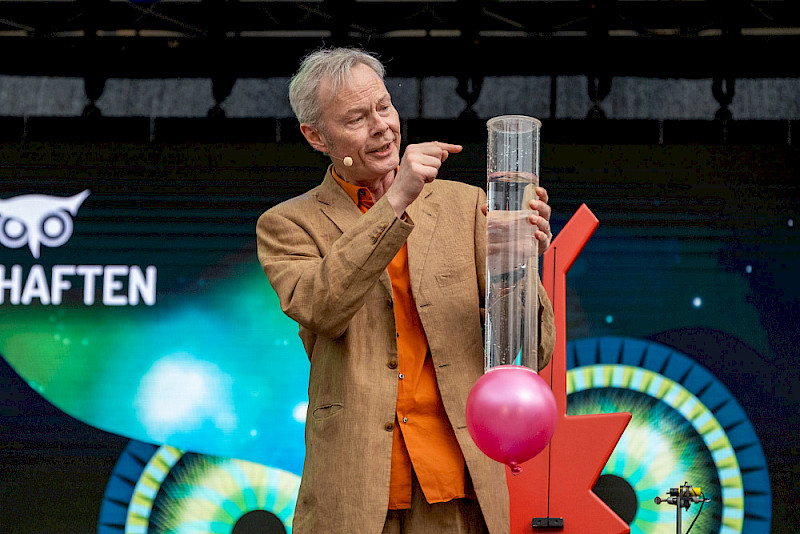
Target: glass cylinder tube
[[512, 260]]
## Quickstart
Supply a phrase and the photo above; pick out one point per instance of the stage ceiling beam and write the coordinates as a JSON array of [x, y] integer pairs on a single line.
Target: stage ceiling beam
[[265, 38]]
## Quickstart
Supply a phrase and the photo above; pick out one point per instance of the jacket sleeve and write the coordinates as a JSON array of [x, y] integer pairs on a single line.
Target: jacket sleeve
[[322, 290], [480, 251], [547, 328]]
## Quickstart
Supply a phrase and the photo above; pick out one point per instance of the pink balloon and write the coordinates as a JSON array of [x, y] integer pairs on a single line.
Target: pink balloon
[[511, 414]]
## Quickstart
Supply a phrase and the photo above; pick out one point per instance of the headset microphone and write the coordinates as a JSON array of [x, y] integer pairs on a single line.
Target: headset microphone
[[347, 160]]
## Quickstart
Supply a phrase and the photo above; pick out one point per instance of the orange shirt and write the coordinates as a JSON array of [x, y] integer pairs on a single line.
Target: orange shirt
[[423, 435]]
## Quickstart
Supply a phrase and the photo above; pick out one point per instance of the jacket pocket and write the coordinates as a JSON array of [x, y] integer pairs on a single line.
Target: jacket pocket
[[325, 411]]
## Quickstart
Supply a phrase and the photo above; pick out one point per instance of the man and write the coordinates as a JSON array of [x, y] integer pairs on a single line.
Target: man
[[383, 267]]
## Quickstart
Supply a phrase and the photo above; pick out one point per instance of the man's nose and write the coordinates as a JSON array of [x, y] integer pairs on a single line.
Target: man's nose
[[378, 124]]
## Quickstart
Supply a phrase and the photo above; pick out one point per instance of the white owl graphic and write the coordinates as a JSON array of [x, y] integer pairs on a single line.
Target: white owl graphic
[[38, 220]]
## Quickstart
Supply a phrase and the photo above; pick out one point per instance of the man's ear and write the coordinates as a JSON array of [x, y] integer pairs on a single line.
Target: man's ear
[[314, 137]]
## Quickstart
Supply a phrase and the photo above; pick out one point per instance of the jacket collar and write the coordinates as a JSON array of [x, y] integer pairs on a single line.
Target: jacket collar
[[336, 204]]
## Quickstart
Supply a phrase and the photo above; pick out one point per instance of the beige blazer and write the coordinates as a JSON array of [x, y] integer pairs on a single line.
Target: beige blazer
[[327, 263]]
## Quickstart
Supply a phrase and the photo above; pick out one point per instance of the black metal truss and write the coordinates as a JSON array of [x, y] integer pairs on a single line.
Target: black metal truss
[[266, 38]]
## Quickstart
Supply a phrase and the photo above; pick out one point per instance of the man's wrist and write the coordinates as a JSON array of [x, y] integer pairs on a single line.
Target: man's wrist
[[397, 205]]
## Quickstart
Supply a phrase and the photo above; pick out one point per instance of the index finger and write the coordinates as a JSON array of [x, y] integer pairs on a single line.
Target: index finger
[[447, 149]]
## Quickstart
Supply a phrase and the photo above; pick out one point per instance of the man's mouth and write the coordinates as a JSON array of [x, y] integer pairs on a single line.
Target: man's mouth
[[381, 149]]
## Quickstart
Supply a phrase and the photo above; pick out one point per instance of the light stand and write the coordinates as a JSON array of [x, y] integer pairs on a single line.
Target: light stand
[[683, 497]]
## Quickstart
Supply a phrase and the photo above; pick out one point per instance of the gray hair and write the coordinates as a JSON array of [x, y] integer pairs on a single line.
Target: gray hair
[[332, 63]]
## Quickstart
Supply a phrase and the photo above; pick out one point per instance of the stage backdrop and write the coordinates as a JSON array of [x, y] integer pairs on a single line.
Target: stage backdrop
[[150, 383]]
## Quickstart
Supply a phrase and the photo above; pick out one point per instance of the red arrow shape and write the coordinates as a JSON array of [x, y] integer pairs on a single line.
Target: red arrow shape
[[558, 482]]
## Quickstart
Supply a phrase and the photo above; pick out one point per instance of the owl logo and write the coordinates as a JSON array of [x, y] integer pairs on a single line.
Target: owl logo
[[38, 220]]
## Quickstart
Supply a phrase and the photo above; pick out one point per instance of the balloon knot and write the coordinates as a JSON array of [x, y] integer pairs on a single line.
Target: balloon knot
[[515, 469]]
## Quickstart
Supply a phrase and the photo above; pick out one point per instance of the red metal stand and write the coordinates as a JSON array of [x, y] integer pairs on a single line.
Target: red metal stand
[[557, 483]]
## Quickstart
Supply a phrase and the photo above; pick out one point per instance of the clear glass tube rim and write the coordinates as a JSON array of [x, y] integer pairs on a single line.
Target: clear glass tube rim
[[495, 122]]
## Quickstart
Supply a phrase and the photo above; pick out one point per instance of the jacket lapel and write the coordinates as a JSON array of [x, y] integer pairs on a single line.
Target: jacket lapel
[[424, 211], [336, 205]]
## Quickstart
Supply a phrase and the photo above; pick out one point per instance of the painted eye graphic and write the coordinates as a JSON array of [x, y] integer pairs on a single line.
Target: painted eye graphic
[[38, 220], [159, 490], [686, 426]]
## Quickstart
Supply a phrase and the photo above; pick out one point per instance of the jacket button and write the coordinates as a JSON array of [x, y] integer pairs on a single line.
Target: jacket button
[[391, 364], [388, 427]]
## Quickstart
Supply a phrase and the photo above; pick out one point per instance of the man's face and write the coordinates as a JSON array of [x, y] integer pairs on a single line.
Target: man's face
[[359, 122]]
